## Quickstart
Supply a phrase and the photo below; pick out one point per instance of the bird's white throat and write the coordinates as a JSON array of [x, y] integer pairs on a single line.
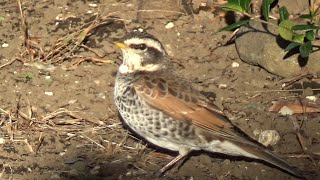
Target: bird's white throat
[[125, 69]]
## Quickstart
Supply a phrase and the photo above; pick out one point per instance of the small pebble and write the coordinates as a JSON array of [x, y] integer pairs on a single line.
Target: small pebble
[[93, 5], [312, 98], [48, 93], [222, 86], [170, 25], [269, 137], [285, 110], [4, 45], [235, 64]]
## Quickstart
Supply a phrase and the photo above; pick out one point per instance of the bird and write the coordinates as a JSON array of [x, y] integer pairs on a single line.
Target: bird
[[164, 108]]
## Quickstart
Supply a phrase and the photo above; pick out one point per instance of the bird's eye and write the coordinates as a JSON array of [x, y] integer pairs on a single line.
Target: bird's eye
[[139, 46]]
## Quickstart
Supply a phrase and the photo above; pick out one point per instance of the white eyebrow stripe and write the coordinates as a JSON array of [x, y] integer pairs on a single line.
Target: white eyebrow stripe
[[149, 42]]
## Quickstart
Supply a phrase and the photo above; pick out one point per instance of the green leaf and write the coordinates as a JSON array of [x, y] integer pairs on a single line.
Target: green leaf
[[266, 8], [310, 35], [284, 14], [285, 30], [305, 49], [235, 25], [291, 46], [238, 5], [245, 4], [298, 38], [233, 7], [305, 27], [306, 16]]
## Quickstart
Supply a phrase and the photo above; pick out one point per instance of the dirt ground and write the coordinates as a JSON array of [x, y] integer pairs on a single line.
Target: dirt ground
[[61, 123]]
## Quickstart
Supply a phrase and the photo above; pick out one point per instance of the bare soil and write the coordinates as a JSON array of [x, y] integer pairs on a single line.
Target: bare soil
[[63, 124]]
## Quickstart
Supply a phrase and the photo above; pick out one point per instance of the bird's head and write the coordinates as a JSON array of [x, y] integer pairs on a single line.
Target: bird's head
[[141, 52]]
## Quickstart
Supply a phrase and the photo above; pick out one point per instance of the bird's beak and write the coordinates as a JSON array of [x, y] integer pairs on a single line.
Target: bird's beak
[[121, 45]]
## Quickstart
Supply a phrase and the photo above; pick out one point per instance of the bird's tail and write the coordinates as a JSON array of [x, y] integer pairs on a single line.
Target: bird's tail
[[270, 157]]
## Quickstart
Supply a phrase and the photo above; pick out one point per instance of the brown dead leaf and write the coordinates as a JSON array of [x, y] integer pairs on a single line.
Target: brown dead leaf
[[296, 107]]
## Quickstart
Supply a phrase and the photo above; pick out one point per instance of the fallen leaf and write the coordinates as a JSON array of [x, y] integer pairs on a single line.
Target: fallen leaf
[[294, 107]]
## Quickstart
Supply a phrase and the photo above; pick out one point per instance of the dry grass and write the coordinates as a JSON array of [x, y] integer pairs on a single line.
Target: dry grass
[[65, 48], [95, 134], [74, 124]]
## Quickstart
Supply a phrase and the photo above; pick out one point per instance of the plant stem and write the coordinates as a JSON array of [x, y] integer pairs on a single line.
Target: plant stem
[[261, 20]]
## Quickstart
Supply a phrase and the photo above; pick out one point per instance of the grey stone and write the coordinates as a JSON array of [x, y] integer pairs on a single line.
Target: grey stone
[[295, 6], [261, 45]]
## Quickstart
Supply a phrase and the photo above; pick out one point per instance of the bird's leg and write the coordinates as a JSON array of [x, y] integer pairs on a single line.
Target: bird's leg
[[183, 152]]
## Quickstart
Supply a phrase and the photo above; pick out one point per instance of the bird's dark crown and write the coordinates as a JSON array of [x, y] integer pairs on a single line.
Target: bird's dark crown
[[140, 35]]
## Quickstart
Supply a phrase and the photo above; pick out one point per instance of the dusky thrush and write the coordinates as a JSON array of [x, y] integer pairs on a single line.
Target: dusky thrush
[[165, 109]]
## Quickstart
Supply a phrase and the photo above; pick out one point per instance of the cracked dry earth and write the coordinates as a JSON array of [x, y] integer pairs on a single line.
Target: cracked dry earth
[[67, 126]]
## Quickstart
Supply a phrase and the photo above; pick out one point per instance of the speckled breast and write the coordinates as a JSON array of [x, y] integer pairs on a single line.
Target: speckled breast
[[152, 124]]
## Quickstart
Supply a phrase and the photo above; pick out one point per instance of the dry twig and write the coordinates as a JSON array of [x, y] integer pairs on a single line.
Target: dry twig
[[65, 47]]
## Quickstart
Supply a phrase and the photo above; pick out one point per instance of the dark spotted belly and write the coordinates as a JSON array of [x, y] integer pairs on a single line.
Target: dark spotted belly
[[154, 125]]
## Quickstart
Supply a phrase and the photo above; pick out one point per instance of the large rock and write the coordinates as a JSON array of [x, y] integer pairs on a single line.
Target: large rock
[[261, 45], [295, 6]]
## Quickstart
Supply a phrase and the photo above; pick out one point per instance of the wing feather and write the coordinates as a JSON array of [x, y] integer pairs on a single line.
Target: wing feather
[[179, 100]]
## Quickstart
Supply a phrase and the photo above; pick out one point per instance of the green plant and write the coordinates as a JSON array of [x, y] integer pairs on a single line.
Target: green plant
[[25, 77], [300, 35]]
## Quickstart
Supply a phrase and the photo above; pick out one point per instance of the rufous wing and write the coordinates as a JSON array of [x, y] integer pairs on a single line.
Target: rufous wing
[[181, 101]]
